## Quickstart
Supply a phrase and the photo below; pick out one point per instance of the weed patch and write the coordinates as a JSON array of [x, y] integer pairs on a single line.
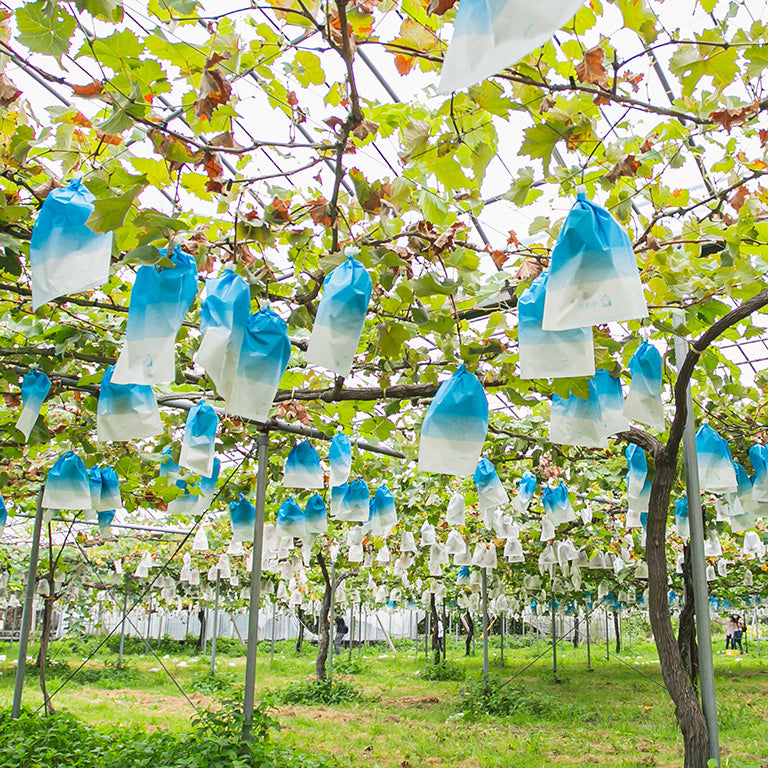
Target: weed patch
[[317, 692], [445, 670]]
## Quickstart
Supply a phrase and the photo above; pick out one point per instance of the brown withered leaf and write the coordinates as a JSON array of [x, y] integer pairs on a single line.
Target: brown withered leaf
[[224, 140], [439, 7], [278, 211], [652, 243], [334, 123], [244, 256], [217, 58], [763, 137], [591, 69], [499, 258], [81, 120], [365, 128], [292, 98], [90, 91], [318, 211], [293, 411], [627, 166], [738, 198], [512, 238], [445, 239], [8, 92], [602, 99], [727, 118], [546, 104], [404, 64], [113, 139], [42, 191], [215, 91], [529, 269], [214, 172]]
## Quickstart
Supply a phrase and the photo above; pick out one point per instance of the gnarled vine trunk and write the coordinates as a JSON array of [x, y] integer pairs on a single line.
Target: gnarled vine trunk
[[686, 625]]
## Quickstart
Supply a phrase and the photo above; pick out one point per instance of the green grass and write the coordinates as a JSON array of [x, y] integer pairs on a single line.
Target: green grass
[[614, 716]]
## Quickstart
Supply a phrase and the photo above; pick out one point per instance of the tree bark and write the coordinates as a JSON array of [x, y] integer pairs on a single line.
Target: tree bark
[[323, 624], [42, 655], [617, 630], [300, 638], [686, 628], [435, 640], [201, 635], [689, 715], [470, 632]]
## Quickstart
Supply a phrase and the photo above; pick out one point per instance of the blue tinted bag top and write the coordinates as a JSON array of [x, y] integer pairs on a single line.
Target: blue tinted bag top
[[65, 255], [126, 411], [557, 503], [3, 514], [454, 427], [758, 455], [550, 354], [302, 467], [110, 490], [290, 519], [383, 516], [354, 507], [593, 278], [67, 485], [337, 494], [105, 519], [242, 515], [315, 515], [681, 517], [262, 361], [742, 506], [644, 398], [637, 463], [611, 399], [526, 487], [160, 300], [716, 473], [577, 421], [340, 459], [198, 446], [34, 389], [340, 317], [168, 467], [223, 317], [490, 491]]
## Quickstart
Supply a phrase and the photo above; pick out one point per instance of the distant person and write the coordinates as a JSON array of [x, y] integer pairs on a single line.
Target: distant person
[[730, 628], [738, 634], [440, 636], [339, 632]]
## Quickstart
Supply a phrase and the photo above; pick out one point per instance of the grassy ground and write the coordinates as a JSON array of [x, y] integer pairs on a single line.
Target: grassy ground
[[613, 716]]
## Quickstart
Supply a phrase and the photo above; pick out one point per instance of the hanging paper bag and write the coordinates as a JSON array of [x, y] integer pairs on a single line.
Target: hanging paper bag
[[454, 427], [637, 506], [611, 399], [340, 317], [637, 464], [105, 519], [577, 421], [302, 467], [65, 255], [160, 299], [315, 516], [94, 486], [743, 507], [644, 399], [513, 551], [490, 491], [168, 467], [110, 490], [198, 444], [354, 507], [489, 37], [455, 514], [716, 472], [262, 361], [242, 515], [340, 458], [126, 411], [455, 544], [681, 517], [407, 542], [557, 504], [223, 316], [337, 494], [67, 485], [758, 455], [290, 519], [34, 389], [593, 277], [526, 487], [3, 515], [384, 517], [550, 354]]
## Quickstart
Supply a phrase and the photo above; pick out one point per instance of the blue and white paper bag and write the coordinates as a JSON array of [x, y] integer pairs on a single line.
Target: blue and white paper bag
[[3, 515], [550, 354], [198, 446], [637, 463], [491, 494], [340, 317], [454, 427], [611, 399], [593, 278], [65, 255], [340, 459], [577, 421], [67, 485], [557, 504], [491, 36], [383, 513], [337, 494], [302, 467], [126, 411], [682, 525], [354, 506], [716, 473], [262, 361], [758, 455], [315, 516], [526, 487], [34, 389], [644, 399], [242, 515], [160, 300], [290, 519]]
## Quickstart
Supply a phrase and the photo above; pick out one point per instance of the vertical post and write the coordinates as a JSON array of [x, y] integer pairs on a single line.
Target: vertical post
[[756, 623], [122, 631], [215, 623], [484, 587], [427, 630], [351, 629], [607, 637], [255, 595], [699, 567], [332, 622], [360, 631], [589, 644], [27, 610], [503, 628], [553, 623], [274, 624]]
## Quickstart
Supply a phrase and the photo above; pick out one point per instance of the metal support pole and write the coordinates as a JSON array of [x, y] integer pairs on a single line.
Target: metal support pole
[[484, 587], [215, 622], [351, 629], [699, 567], [553, 623], [607, 637], [503, 628], [332, 623], [255, 595], [427, 630], [27, 610], [274, 626], [589, 643], [122, 632]]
